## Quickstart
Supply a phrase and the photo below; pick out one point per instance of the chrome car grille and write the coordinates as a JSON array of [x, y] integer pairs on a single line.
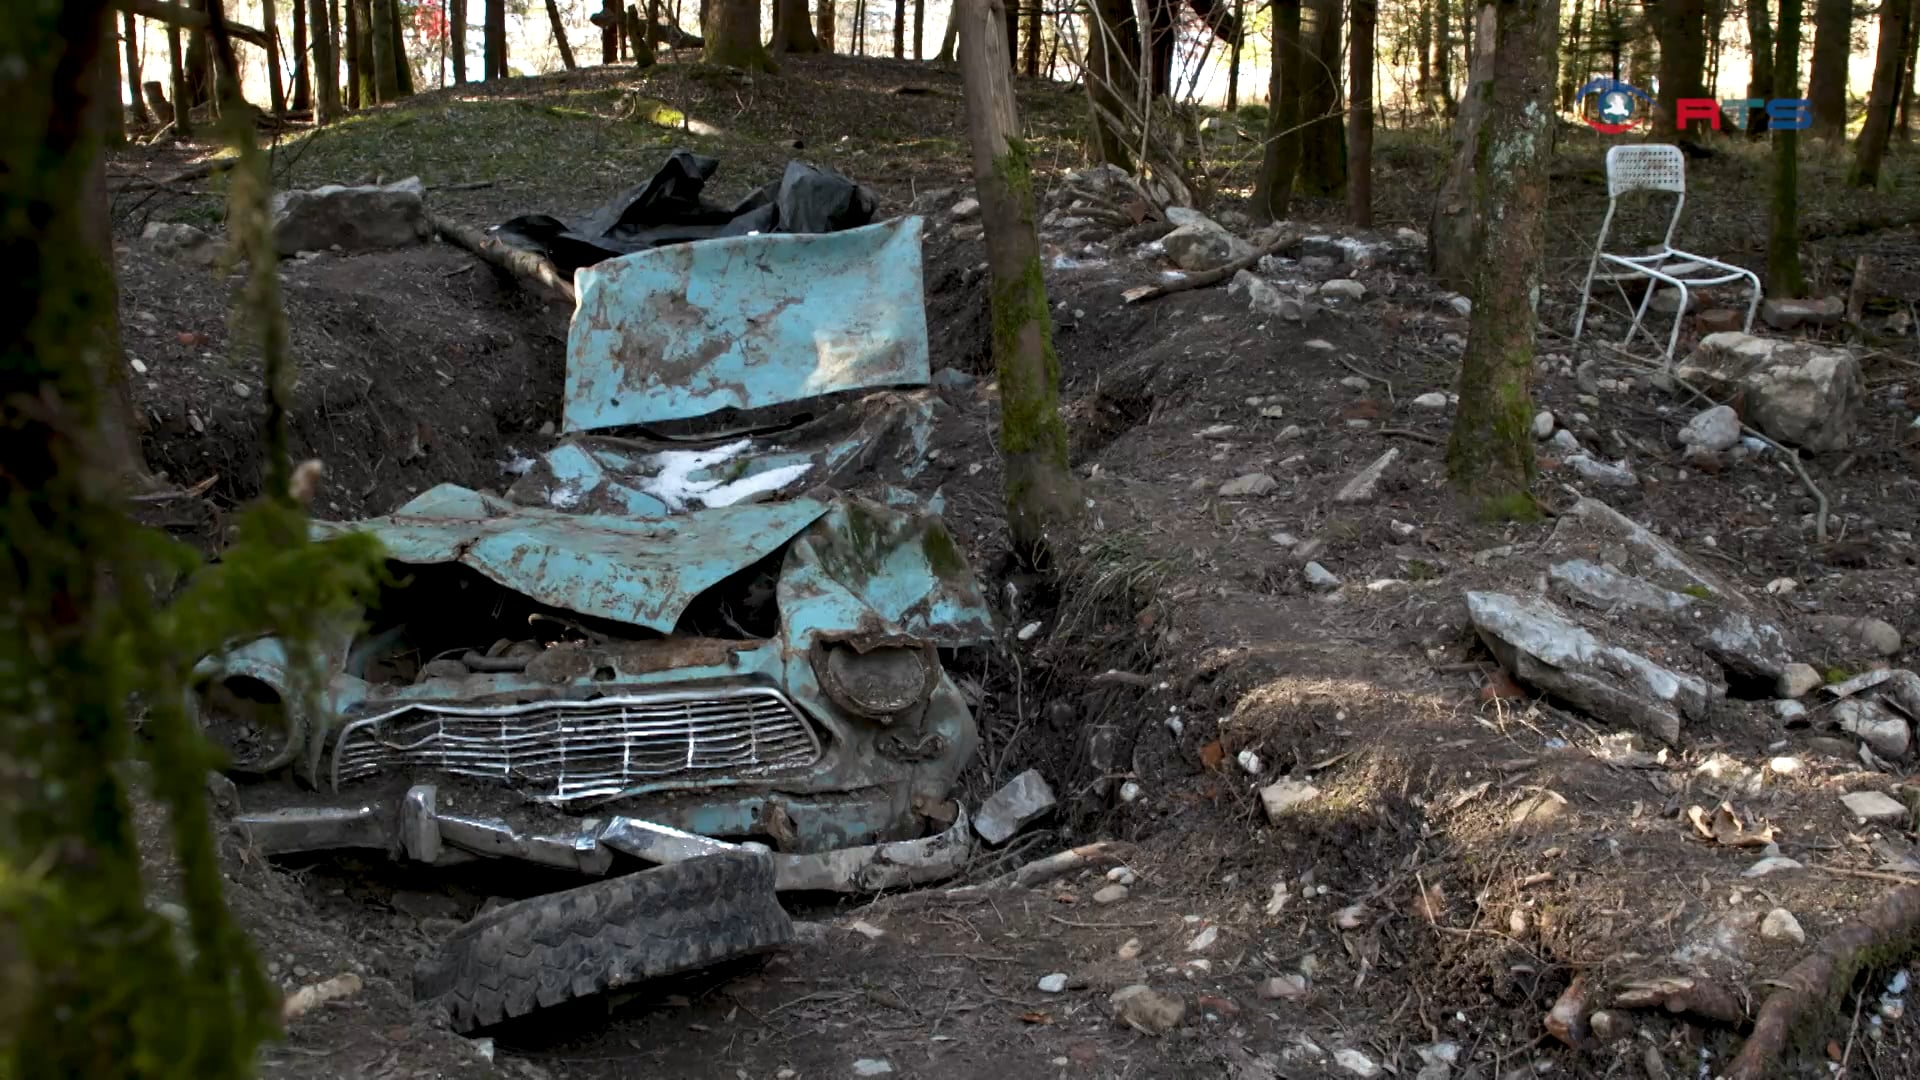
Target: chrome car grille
[[558, 751]]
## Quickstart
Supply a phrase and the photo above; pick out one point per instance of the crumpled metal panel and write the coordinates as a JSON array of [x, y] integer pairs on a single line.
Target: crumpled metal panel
[[643, 571], [745, 322], [864, 570]]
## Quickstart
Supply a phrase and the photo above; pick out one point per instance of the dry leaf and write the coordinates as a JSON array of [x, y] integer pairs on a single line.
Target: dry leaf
[[1724, 827], [1501, 687], [1212, 755], [1035, 1018]]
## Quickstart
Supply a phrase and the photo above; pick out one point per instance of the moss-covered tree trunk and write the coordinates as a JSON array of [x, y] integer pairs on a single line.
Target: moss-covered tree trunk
[[1280, 156], [1827, 82], [1760, 71], [732, 33], [1889, 70], [1681, 28], [1360, 138], [1323, 139], [1783, 233], [1451, 229], [1040, 490], [1490, 455], [386, 70], [326, 68]]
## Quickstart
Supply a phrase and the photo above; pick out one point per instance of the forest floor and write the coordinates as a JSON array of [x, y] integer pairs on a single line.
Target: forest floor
[[1471, 850]]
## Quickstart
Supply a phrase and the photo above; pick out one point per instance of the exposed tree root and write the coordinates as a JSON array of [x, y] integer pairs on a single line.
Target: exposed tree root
[[1882, 934]]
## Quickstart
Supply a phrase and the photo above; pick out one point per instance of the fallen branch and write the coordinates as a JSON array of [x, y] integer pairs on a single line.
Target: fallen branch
[[1206, 278], [1880, 936], [193, 172], [1040, 871], [188, 19], [523, 264]]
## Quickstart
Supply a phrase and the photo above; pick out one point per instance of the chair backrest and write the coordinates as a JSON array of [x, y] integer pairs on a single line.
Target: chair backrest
[[1651, 167]]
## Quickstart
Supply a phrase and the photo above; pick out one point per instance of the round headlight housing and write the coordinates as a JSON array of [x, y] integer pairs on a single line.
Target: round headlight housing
[[879, 683]]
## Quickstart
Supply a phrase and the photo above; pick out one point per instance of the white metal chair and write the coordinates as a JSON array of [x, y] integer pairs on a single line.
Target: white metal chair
[[1660, 168]]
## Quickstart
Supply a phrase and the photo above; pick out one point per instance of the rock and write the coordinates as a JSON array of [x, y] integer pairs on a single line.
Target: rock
[[1356, 383], [1772, 864], [1344, 288], [953, 378], [1319, 576], [351, 218], [1121, 875], [1025, 799], [1798, 680], [1364, 483], [1617, 474], [181, 241], [1288, 987], [1789, 711], [1461, 306], [1130, 950], [1748, 648], [1855, 635], [1797, 393], [1355, 1062], [1146, 1010], [1052, 984], [873, 1067], [1785, 313], [1252, 484], [1566, 444], [1204, 940], [1433, 400], [1780, 925], [1719, 320], [1183, 217], [1605, 588], [1264, 299], [1874, 724], [1535, 641], [1609, 1026], [1591, 523], [1110, 894], [1567, 1020], [1715, 429], [965, 210], [1543, 425], [1287, 795], [1874, 806], [1200, 247]]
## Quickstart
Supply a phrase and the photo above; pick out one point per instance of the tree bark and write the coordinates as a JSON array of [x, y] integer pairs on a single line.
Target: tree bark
[[824, 27], [1680, 26], [1451, 233], [386, 70], [1908, 90], [1490, 454], [402, 70], [1783, 234], [793, 29], [276, 94], [326, 70], [919, 29], [1827, 84], [559, 34], [732, 35], [1760, 72], [899, 29], [1443, 55], [131, 36], [1280, 157], [1360, 139], [1041, 495], [1013, 37], [1233, 56], [1034, 16], [457, 28], [496, 39], [1323, 144], [611, 19], [1889, 71], [1423, 45], [354, 31], [302, 67], [177, 88], [1571, 78], [199, 73], [950, 41]]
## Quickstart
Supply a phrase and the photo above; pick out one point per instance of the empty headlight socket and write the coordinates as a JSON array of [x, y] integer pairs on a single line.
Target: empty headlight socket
[[867, 694]]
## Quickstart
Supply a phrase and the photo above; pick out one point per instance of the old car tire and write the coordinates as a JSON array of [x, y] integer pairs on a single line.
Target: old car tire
[[542, 951]]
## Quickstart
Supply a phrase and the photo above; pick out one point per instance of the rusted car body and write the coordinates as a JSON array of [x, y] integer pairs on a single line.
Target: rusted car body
[[660, 644]]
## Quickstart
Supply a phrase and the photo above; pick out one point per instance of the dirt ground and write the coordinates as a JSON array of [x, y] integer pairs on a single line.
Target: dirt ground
[[1471, 851]]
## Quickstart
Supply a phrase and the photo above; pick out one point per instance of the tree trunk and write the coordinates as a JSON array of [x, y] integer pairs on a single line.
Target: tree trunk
[[276, 94], [1783, 235], [611, 19], [1490, 455], [793, 30], [1760, 74], [733, 35], [1280, 156], [355, 31], [496, 39], [1360, 139], [457, 28], [199, 73], [1443, 55], [131, 36], [1013, 37], [177, 87], [919, 29], [1233, 56], [1423, 44], [899, 29], [302, 67], [386, 72], [1033, 38], [1908, 90], [1575, 72], [1323, 149], [824, 26], [1111, 81], [326, 71], [1889, 69], [1827, 85], [1040, 491], [559, 34], [1681, 28], [1451, 234], [402, 69], [950, 41]]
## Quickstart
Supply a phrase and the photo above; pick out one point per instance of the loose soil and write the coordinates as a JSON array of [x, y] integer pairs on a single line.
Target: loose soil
[[1471, 852]]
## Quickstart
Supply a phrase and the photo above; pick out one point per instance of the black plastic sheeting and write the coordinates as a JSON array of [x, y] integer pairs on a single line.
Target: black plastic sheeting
[[669, 209]]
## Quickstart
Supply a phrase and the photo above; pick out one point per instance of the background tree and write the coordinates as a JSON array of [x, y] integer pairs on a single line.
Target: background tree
[[386, 55], [1490, 454], [1280, 157], [1455, 222], [131, 34], [1827, 83], [559, 26], [302, 69], [1040, 490], [1760, 69], [793, 28], [177, 87], [1360, 137], [1323, 137], [457, 27], [1783, 233], [1889, 71], [276, 93], [326, 69], [1910, 83], [1680, 26], [732, 33], [357, 94], [494, 51]]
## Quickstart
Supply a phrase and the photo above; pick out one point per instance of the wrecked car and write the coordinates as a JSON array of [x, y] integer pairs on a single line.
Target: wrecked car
[[684, 636]]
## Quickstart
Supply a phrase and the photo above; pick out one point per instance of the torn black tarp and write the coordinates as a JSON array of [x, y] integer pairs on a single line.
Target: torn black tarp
[[669, 209]]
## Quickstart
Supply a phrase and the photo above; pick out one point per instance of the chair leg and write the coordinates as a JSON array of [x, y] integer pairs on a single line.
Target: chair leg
[[1753, 305], [1586, 295], [1640, 313], [1673, 339]]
